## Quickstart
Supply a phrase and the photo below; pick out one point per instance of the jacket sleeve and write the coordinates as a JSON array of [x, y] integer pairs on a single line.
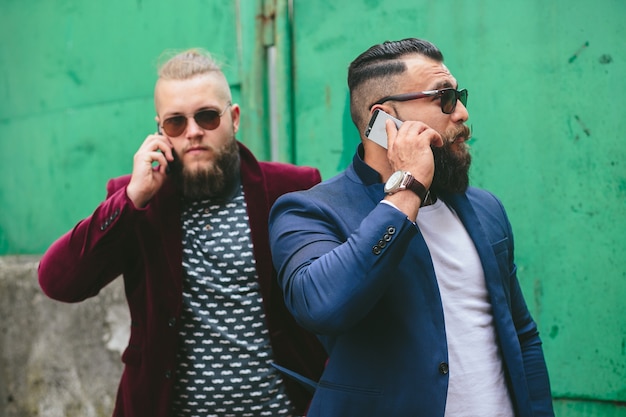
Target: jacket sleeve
[[535, 369], [329, 271], [85, 259]]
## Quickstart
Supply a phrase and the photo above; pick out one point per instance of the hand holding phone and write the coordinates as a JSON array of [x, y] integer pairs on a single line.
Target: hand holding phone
[[150, 165], [376, 130]]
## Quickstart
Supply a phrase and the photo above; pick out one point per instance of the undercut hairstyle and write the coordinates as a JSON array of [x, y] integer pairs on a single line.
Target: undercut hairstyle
[[187, 64], [375, 73]]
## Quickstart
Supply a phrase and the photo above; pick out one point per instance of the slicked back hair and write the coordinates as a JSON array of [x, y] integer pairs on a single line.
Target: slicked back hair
[[374, 73]]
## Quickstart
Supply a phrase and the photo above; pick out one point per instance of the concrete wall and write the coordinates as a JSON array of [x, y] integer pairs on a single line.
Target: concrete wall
[[57, 359]]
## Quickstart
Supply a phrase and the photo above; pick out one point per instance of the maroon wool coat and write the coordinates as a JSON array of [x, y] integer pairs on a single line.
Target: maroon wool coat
[[145, 246]]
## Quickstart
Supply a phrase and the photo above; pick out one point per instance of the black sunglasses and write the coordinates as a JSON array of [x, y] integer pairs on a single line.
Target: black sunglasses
[[448, 96], [208, 119]]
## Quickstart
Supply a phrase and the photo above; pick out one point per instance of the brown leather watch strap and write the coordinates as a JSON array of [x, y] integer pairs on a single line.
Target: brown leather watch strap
[[418, 188]]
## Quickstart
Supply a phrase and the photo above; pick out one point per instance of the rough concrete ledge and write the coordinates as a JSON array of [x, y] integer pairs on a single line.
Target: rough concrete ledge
[[57, 359]]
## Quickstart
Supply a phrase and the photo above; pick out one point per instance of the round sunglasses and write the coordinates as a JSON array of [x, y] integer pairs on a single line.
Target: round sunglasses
[[448, 96], [208, 119]]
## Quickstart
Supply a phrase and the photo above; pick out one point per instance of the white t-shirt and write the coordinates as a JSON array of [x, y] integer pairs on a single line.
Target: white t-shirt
[[477, 385]]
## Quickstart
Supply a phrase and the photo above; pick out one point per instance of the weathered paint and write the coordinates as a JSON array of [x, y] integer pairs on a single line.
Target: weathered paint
[[546, 103], [76, 86]]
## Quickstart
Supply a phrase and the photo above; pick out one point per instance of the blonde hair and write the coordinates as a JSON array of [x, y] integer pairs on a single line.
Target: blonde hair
[[187, 64]]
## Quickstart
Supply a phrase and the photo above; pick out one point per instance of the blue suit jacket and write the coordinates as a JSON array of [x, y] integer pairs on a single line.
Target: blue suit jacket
[[358, 273]]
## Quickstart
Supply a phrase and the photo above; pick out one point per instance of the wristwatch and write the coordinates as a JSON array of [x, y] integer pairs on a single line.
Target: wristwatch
[[403, 180]]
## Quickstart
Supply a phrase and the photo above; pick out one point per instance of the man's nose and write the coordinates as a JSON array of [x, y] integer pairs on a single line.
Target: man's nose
[[193, 129], [460, 113]]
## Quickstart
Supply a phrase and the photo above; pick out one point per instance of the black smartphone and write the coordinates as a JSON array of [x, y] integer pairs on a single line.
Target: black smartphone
[[160, 132], [376, 130]]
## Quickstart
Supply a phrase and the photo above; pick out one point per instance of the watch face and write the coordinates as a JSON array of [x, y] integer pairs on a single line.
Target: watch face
[[394, 181]]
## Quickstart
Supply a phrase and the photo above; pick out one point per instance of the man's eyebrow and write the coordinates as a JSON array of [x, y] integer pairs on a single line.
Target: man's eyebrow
[[443, 84], [199, 109]]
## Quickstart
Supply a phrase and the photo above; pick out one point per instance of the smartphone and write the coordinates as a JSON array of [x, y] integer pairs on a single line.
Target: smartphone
[[376, 127], [160, 132]]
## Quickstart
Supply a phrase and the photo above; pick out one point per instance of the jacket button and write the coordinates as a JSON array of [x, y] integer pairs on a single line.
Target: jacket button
[[382, 243], [376, 250], [391, 230], [443, 368]]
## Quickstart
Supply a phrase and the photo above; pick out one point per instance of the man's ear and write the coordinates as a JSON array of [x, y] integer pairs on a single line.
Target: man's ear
[[384, 107], [235, 113], [387, 109], [158, 122]]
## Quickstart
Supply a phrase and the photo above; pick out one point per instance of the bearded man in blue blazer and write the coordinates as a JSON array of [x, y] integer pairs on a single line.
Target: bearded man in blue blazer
[[404, 272]]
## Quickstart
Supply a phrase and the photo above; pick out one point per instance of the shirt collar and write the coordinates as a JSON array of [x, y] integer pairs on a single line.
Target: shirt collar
[[366, 173]]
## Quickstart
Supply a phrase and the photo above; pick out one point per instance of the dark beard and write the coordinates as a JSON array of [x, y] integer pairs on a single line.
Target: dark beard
[[452, 164], [215, 182]]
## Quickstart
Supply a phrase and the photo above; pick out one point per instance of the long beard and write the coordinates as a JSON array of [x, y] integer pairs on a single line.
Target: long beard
[[215, 181], [452, 163]]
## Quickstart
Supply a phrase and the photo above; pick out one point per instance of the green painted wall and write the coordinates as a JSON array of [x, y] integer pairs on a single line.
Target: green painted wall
[[547, 93], [76, 84], [547, 99]]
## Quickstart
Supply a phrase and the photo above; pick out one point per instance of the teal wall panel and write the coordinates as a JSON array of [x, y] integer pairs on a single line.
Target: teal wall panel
[[58, 54], [588, 408], [57, 173], [547, 94], [76, 84]]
